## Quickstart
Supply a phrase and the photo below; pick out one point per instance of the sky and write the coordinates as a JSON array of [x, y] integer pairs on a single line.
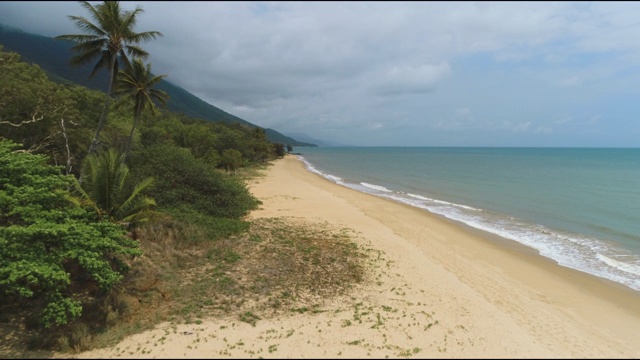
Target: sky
[[561, 74]]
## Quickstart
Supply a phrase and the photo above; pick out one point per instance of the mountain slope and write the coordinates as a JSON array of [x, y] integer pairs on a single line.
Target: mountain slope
[[53, 57], [309, 139]]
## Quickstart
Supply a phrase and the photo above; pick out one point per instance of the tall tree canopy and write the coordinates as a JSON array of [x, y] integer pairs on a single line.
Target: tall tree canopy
[[136, 83], [109, 38]]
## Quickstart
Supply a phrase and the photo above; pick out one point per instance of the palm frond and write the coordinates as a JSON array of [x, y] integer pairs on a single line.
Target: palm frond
[[141, 211], [130, 18], [131, 201], [105, 188], [81, 198], [95, 12], [102, 63], [85, 57], [156, 79], [136, 52], [136, 81], [78, 38], [89, 46], [144, 36], [122, 56], [87, 26]]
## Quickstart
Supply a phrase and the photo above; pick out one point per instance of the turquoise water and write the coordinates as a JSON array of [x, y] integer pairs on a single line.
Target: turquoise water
[[579, 207]]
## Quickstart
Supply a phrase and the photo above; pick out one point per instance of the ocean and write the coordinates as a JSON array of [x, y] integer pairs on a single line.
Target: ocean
[[577, 206]]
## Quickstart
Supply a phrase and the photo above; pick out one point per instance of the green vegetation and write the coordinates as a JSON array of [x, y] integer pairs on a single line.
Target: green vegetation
[[52, 252], [107, 191], [279, 150], [231, 159], [183, 179], [109, 38], [136, 84], [95, 245], [53, 57]]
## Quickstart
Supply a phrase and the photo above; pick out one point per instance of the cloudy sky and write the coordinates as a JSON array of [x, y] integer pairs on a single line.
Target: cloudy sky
[[398, 73]]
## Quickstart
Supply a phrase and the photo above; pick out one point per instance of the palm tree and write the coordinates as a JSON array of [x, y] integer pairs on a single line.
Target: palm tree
[[108, 39], [105, 189], [136, 83]]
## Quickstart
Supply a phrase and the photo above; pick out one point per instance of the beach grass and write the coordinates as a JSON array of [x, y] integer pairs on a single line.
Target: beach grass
[[278, 266]]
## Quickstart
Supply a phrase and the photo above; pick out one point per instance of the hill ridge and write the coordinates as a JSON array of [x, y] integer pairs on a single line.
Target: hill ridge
[[53, 57]]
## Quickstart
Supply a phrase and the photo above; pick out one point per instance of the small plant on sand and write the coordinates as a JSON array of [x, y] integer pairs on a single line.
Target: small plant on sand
[[249, 317]]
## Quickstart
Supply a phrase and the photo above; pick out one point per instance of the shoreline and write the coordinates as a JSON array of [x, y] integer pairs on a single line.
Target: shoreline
[[443, 289], [492, 238], [527, 253], [522, 263]]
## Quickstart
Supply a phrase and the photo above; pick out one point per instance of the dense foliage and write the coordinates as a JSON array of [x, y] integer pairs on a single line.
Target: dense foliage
[[183, 179], [52, 252], [43, 116], [108, 189], [57, 119], [55, 256]]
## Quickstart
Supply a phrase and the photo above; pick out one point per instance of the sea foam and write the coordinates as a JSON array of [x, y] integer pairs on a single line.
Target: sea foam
[[568, 249]]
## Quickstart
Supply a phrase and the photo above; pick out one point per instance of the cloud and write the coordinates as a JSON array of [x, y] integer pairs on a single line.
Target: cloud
[[375, 126], [462, 119], [570, 81], [413, 80], [564, 119], [336, 68], [518, 127]]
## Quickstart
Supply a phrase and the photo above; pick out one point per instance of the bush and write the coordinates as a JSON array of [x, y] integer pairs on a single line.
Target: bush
[[231, 159], [279, 148], [182, 180], [52, 252]]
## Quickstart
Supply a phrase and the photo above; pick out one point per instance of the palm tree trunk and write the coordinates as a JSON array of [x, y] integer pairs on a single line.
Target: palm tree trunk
[[133, 129], [105, 109], [66, 144]]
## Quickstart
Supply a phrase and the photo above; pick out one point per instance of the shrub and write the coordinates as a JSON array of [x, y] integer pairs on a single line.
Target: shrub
[[231, 159], [279, 148], [181, 179], [52, 252]]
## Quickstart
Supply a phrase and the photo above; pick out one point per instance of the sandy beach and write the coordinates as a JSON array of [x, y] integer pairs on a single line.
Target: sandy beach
[[440, 290]]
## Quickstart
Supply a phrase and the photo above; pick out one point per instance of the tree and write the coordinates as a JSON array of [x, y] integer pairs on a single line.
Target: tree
[[231, 159], [136, 83], [289, 148], [43, 116], [109, 38], [107, 191], [52, 252], [279, 149]]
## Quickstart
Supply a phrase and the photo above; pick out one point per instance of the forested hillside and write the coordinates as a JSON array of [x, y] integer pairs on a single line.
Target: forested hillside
[[53, 57]]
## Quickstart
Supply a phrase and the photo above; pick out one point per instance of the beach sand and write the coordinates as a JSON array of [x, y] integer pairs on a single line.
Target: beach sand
[[439, 290]]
